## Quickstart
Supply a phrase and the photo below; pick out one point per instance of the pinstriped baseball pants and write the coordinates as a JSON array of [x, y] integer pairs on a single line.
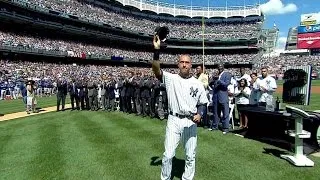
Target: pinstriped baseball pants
[[185, 130]]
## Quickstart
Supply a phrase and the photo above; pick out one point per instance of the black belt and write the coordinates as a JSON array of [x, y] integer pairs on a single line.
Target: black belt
[[181, 116]]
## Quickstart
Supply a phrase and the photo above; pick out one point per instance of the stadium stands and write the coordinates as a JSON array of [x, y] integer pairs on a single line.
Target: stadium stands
[[33, 42], [277, 64], [130, 22]]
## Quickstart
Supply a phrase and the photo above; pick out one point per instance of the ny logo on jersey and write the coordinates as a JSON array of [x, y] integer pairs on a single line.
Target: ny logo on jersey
[[193, 92]]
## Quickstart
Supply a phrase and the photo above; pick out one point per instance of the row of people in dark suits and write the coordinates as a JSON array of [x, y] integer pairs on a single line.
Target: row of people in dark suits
[[140, 95], [84, 95], [147, 94]]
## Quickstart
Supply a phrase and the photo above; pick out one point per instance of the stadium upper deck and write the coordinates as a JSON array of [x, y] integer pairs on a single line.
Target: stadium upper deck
[[159, 7], [242, 23]]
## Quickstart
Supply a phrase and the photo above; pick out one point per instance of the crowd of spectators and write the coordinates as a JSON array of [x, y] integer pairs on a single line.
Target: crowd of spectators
[[276, 64], [33, 42], [131, 22], [14, 70]]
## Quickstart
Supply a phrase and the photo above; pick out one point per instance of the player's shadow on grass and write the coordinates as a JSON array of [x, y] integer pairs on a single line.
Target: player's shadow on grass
[[177, 166], [39, 109], [274, 152]]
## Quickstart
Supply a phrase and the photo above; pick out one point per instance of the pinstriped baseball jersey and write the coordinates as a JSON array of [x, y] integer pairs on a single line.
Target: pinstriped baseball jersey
[[183, 94]]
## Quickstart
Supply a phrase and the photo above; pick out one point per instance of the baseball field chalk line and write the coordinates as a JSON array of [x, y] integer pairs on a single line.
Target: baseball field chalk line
[[239, 135], [17, 115]]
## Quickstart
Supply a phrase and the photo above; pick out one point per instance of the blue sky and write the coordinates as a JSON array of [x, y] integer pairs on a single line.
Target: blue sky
[[284, 13]]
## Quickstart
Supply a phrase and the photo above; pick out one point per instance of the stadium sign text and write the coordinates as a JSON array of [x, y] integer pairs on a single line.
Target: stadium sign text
[[309, 19], [309, 29], [308, 23], [309, 40]]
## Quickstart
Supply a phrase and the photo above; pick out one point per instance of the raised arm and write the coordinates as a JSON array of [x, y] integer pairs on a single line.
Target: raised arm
[[156, 63]]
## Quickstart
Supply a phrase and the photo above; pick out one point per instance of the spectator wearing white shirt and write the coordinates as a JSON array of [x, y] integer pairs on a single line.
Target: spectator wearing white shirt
[[204, 79], [255, 89], [267, 85], [234, 82], [242, 96], [231, 89]]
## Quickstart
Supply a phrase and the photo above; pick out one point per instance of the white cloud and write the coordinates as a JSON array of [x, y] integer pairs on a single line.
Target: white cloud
[[281, 43], [273, 7]]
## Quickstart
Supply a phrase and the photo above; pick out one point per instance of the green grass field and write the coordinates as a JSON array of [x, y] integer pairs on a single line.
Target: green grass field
[[105, 145], [101, 145]]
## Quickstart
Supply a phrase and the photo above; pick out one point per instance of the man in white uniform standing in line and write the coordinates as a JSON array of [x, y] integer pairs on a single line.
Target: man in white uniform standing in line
[[267, 85], [186, 102]]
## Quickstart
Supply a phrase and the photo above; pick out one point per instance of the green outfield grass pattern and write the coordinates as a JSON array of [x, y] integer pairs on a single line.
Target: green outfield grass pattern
[[102, 145]]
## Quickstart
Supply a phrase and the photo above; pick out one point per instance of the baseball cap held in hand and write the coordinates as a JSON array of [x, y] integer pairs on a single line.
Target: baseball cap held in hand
[[162, 32]]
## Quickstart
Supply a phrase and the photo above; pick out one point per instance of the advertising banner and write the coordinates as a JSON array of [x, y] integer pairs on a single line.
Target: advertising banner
[[81, 55], [310, 19], [309, 41], [309, 29]]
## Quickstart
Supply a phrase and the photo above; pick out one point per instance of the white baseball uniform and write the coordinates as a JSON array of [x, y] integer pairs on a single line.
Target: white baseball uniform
[[183, 97], [270, 84]]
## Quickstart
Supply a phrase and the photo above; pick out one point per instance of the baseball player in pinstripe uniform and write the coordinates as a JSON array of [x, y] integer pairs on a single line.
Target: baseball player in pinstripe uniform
[[187, 100]]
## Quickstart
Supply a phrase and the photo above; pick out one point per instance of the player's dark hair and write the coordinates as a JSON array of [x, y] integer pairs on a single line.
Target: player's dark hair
[[245, 82], [254, 74]]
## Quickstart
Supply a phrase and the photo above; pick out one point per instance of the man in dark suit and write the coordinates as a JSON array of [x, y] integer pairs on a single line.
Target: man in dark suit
[[74, 94], [104, 94], [220, 100], [62, 91], [92, 94], [129, 93], [83, 95], [122, 90], [111, 96], [136, 95], [162, 102], [95, 96], [146, 95], [155, 91]]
